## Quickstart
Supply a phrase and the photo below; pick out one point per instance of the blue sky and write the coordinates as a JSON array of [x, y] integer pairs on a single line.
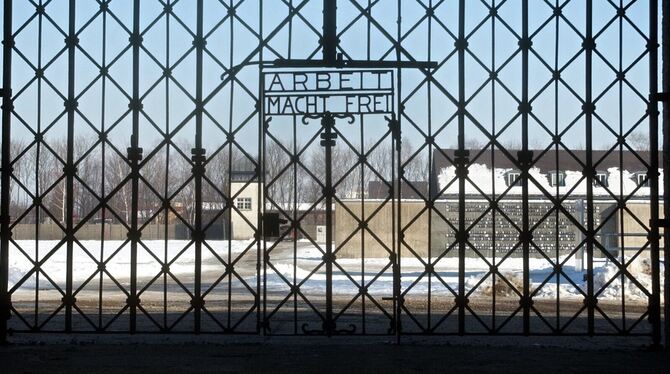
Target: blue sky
[[232, 43]]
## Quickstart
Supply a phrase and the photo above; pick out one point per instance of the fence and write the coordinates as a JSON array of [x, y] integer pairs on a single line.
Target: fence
[[203, 115]]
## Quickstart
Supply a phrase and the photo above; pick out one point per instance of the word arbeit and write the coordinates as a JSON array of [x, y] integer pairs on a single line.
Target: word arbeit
[[340, 91]]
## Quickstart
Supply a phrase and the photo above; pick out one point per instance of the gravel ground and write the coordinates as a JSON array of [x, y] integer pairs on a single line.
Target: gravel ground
[[166, 354]]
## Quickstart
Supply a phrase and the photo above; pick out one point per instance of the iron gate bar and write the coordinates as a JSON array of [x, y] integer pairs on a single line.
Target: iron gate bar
[[342, 64], [526, 237], [6, 172], [654, 237], [396, 190], [461, 161], [665, 32], [134, 156], [589, 107], [260, 175], [70, 169], [198, 157], [330, 40]]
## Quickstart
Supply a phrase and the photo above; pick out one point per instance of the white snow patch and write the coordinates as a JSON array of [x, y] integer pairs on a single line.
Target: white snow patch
[[116, 256], [309, 258]]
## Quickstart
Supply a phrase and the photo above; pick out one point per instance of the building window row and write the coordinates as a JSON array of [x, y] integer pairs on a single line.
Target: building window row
[[556, 178]]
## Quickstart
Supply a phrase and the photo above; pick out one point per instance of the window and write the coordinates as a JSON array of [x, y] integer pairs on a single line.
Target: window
[[601, 179], [557, 178], [641, 179], [512, 178], [243, 203]]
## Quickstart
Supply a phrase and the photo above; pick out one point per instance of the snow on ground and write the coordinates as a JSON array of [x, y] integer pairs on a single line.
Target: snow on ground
[[116, 254], [181, 257]]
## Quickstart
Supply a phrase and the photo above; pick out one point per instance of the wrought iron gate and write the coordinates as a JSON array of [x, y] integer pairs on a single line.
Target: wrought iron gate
[[361, 118], [168, 194]]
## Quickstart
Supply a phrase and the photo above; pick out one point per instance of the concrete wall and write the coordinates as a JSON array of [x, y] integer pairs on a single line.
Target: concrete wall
[[49, 231], [436, 233], [382, 224], [635, 221]]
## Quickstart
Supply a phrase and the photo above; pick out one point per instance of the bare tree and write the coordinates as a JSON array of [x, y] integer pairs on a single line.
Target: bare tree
[[89, 178], [218, 172], [279, 180], [117, 170], [417, 169], [181, 176], [24, 174], [380, 162], [639, 141]]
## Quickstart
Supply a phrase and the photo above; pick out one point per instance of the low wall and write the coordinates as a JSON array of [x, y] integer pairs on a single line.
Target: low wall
[[427, 229], [110, 231]]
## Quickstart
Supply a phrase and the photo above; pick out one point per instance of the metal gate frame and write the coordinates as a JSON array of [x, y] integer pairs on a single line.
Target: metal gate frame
[[330, 59], [329, 132]]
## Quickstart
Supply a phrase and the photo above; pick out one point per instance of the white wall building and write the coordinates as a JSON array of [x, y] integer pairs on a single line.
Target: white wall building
[[245, 188]]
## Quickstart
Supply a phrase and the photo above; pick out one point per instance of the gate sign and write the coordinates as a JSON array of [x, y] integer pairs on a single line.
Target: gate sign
[[293, 93]]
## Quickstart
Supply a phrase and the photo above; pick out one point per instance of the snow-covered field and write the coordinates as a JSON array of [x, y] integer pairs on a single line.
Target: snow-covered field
[[181, 258]]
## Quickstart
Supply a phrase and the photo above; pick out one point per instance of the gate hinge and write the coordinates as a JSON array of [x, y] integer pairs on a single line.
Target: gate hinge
[[2, 92], [660, 96], [662, 222]]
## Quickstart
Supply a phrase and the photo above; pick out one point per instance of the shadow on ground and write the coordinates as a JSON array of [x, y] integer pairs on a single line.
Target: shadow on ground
[[184, 354]]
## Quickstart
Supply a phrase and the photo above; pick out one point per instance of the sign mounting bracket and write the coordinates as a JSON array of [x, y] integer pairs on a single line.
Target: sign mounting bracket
[[332, 59]]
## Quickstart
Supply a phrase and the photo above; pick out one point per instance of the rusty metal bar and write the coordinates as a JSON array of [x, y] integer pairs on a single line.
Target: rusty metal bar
[[589, 108], [666, 161], [198, 158], [524, 107], [655, 302], [329, 39], [135, 156], [461, 167], [70, 107], [5, 234]]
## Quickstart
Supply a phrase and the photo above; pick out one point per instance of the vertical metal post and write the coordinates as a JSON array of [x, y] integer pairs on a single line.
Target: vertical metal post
[[329, 39], [525, 44], [327, 136], [397, 190], [589, 45], [198, 157], [8, 41], [461, 161], [231, 133], [265, 324], [655, 301], [70, 107], [166, 185], [396, 182], [431, 202], [260, 176], [666, 162], [134, 156]]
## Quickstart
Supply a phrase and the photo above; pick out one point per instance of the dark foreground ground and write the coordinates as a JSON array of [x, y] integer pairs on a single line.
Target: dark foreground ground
[[63, 354]]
